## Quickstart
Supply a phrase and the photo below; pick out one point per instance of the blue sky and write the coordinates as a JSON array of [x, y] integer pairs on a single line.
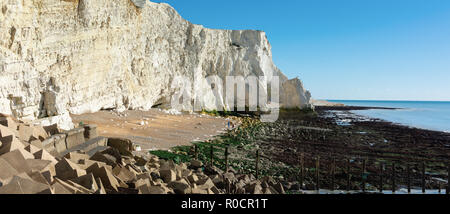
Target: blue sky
[[346, 49]]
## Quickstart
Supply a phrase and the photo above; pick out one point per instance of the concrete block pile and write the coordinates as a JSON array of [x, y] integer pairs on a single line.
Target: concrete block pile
[[42, 160]]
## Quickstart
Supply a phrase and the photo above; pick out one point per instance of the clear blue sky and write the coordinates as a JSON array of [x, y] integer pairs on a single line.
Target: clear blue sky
[[346, 49]]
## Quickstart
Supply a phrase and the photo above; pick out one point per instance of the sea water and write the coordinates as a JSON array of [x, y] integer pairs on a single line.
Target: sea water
[[432, 115]]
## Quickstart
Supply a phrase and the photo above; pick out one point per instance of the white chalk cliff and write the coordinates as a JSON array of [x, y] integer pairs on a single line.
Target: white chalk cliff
[[77, 56]]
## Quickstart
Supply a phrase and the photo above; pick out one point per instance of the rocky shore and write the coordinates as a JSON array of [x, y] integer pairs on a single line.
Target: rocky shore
[[46, 160], [340, 146]]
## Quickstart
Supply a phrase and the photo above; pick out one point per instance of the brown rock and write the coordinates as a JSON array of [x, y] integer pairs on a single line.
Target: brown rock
[[193, 178], [279, 188], [196, 163], [180, 187], [124, 146], [168, 175], [105, 158], [205, 183], [124, 174]]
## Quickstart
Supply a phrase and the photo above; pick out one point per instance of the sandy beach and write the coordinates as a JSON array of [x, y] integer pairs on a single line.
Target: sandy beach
[[155, 129]]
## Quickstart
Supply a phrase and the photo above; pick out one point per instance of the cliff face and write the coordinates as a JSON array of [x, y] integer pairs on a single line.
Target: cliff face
[[77, 56]]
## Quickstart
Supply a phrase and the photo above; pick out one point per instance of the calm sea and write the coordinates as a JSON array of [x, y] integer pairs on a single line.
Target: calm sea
[[432, 115]]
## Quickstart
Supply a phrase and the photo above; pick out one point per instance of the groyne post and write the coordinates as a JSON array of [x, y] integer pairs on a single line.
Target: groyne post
[[448, 179], [196, 152], [363, 175], [423, 178], [318, 173], [257, 164], [212, 156], [226, 159], [408, 177], [394, 187], [333, 172], [302, 169], [348, 175], [381, 176]]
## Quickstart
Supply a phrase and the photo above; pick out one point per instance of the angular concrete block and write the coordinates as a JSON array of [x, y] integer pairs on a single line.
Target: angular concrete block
[[105, 158], [44, 155], [168, 175], [6, 131], [106, 176], [60, 189], [10, 145], [76, 156], [32, 149], [26, 133], [90, 131], [6, 171], [19, 185], [74, 137], [66, 170], [124, 146], [17, 160], [8, 122], [60, 143], [124, 174], [87, 181]]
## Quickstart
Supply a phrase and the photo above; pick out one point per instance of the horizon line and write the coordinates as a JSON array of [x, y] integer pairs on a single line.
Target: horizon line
[[388, 100]]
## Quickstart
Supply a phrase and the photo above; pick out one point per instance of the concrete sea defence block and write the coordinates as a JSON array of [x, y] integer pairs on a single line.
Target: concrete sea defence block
[[74, 137], [90, 131]]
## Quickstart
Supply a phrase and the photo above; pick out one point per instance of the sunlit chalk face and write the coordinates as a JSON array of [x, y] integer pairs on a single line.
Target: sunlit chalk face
[[235, 93]]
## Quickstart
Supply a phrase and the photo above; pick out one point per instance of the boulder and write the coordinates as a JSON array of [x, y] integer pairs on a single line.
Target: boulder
[[105, 158], [279, 188], [205, 183], [124, 174], [193, 178], [124, 146], [196, 164], [168, 175], [180, 187]]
